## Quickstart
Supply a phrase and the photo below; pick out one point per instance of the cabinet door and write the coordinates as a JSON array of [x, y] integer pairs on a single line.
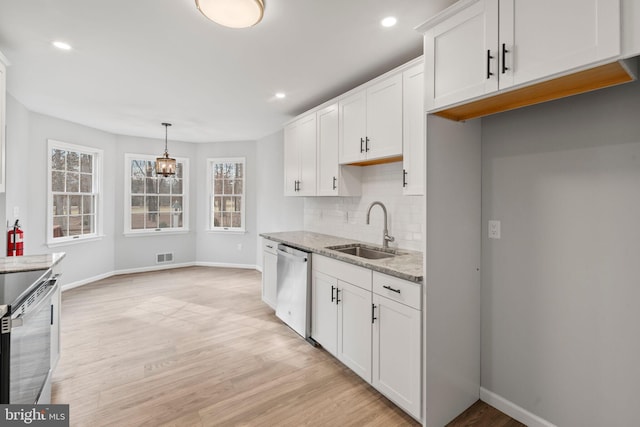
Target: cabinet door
[[307, 153], [540, 44], [396, 353], [269, 278], [353, 127], [354, 329], [461, 55], [328, 143], [324, 311], [384, 119], [413, 129], [291, 159]]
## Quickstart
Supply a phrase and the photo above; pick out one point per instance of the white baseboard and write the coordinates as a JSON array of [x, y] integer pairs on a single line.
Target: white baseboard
[[513, 410], [90, 280], [225, 265]]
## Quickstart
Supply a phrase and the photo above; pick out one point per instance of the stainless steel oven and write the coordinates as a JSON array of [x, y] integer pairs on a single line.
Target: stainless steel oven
[[25, 338]]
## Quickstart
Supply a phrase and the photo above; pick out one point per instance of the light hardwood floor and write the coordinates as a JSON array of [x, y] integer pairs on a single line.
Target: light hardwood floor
[[197, 347]]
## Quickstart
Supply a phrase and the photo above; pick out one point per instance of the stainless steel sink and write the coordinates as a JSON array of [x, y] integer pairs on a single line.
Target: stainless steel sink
[[363, 251]]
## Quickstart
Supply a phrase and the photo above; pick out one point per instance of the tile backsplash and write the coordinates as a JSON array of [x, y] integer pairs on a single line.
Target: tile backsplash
[[346, 216]]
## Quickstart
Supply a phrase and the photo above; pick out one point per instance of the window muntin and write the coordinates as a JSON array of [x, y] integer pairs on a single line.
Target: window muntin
[[155, 203], [74, 192], [227, 194]]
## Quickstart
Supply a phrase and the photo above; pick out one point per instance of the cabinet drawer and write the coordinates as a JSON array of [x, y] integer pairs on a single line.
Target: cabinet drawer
[[403, 291], [344, 271], [269, 246]]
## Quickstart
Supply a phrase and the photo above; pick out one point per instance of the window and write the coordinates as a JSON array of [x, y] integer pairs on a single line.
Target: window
[[155, 203], [73, 192], [227, 185]]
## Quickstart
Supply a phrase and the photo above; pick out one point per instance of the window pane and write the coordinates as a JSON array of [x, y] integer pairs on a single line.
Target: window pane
[[164, 185], [176, 204], [75, 205], [60, 226], [152, 186], [137, 221], [137, 185], [178, 170], [88, 224], [86, 183], [60, 205], [239, 170], [86, 163], [237, 186], [58, 159], [152, 203], [151, 220], [226, 220], [176, 186], [73, 182], [75, 225], [73, 161], [237, 204], [217, 204], [176, 220], [228, 186], [164, 220], [218, 186], [149, 168], [236, 220], [87, 204], [57, 181]]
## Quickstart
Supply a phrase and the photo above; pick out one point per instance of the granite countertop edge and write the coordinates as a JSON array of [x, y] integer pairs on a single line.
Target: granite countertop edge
[[20, 264], [407, 266]]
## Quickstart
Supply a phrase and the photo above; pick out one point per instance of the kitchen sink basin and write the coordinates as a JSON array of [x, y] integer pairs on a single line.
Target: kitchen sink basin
[[364, 251]]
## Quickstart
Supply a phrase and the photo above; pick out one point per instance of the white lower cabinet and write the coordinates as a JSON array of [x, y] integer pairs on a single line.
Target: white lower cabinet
[[354, 328], [396, 353], [269, 272], [372, 323]]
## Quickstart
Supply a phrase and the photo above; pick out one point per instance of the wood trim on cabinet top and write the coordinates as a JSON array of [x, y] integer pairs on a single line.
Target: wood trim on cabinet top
[[582, 81]]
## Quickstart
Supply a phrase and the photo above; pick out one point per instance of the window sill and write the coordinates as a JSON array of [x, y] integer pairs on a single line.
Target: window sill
[[231, 231], [154, 233], [75, 241]]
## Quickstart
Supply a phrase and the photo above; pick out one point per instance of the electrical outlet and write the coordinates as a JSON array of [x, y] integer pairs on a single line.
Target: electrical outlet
[[494, 229]]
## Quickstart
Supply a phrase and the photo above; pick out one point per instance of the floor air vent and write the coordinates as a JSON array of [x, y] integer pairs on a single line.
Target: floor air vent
[[163, 258]]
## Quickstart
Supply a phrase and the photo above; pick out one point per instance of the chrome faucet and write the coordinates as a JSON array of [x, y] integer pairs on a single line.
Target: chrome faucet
[[385, 233]]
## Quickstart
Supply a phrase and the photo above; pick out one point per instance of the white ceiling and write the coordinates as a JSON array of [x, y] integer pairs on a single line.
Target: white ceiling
[[137, 63]]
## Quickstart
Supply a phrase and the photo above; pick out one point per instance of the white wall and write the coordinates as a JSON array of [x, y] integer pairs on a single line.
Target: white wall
[[346, 216], [223, 248], [275, 212], [560, 289], [136, 252], [27, 188]]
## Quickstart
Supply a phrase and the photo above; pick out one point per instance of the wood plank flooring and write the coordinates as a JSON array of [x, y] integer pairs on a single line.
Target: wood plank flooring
[[197, 347]]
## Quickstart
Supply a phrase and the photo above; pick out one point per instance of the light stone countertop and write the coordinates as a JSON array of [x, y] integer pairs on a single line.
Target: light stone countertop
[[407, 265], [16, 264]]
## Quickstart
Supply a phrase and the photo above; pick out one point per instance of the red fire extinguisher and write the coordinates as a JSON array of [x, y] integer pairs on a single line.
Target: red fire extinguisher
[[15, 241]]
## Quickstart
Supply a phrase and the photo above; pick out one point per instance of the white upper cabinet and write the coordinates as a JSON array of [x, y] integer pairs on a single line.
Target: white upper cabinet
[[333, 179], [300, 157], [477, 47], [371, 122], [413, 128]]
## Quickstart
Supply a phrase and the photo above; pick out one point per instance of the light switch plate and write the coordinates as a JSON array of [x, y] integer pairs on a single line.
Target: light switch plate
[[494, 229]]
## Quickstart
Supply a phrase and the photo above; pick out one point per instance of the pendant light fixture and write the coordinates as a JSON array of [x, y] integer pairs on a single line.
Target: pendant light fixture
[[232, 13], [165, 165]]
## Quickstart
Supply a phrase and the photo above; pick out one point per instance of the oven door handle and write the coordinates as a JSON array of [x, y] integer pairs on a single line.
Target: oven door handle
[[18, 320]]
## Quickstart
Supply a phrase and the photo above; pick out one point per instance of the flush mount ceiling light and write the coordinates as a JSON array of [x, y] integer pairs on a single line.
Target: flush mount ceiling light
[[165, 165], [232, 13]]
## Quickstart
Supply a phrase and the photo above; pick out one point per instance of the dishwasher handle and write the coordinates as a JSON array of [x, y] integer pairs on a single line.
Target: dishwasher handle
[[292, 257]]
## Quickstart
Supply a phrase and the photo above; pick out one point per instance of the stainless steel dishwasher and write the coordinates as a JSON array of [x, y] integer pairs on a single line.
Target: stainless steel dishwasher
[[294, 282]]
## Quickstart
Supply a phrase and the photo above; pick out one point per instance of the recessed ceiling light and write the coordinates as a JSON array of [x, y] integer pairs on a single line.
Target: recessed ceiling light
[[389, 21], [281, 95], [62, 45]]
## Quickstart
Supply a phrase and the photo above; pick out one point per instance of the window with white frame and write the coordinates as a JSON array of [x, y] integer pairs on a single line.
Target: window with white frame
[[154, 203], [227, 194], [74, 187]]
